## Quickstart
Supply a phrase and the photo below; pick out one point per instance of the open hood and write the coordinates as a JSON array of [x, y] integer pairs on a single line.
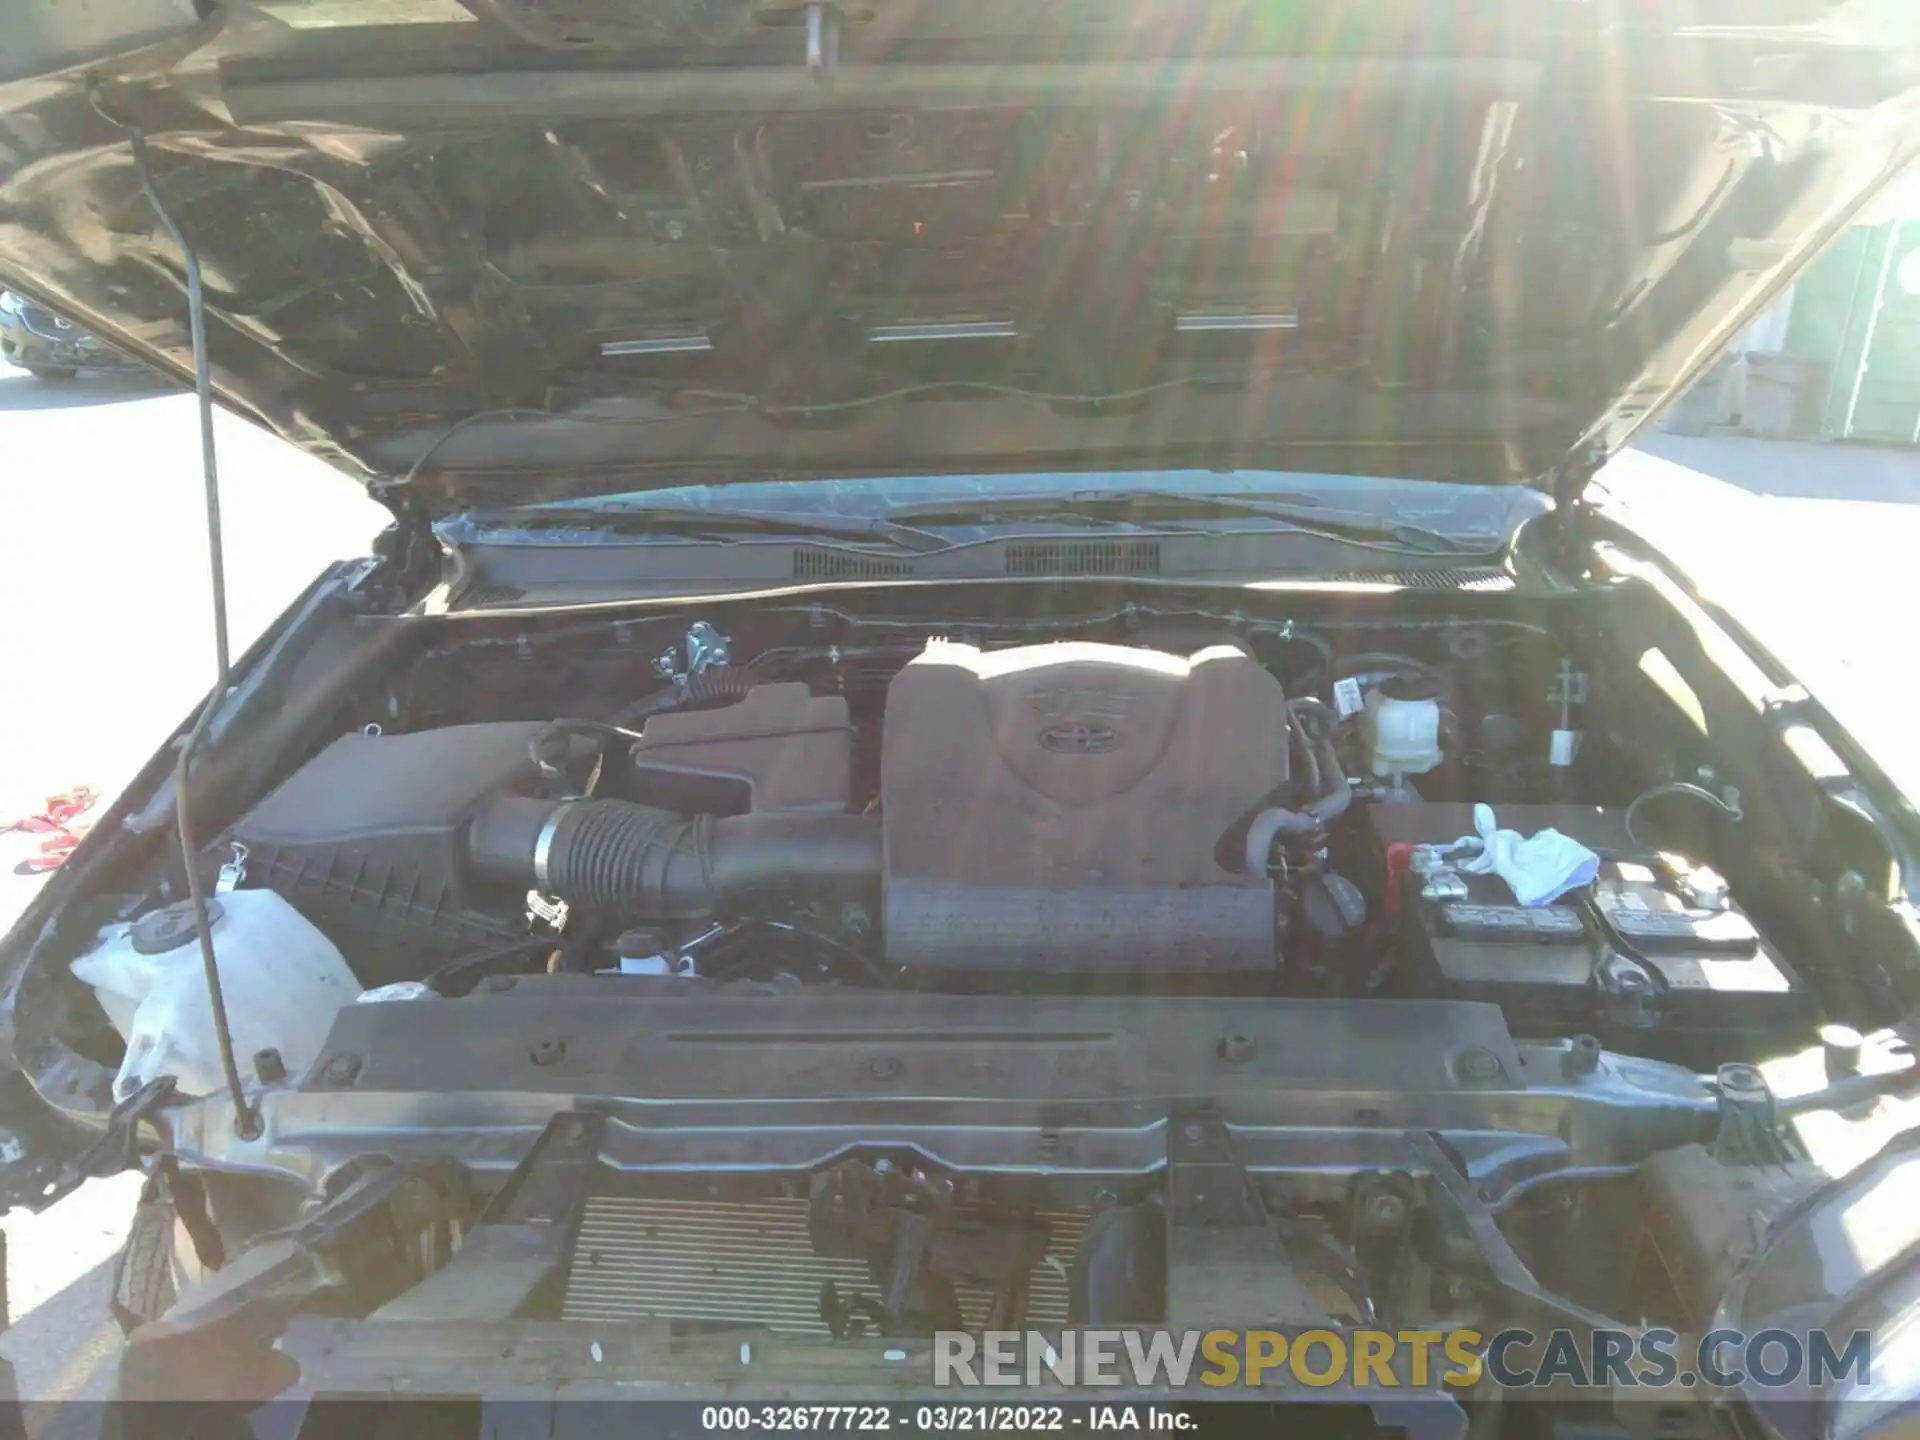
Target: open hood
[[629, 242]]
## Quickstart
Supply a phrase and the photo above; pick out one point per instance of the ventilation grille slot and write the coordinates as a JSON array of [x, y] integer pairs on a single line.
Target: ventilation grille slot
[[1471, 577], [1083, 557], [492, 595], [812, 564], [748, 1263]]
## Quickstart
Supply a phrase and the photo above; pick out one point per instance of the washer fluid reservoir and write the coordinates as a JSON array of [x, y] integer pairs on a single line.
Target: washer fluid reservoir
[[283, 981]]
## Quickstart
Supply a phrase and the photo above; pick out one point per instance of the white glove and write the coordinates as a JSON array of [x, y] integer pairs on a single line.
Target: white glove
[[1539, 869]]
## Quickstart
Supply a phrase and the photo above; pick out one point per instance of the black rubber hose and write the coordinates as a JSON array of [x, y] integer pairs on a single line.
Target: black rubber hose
[[655, 864], [616, 855], [1307, 757], [705, 690]]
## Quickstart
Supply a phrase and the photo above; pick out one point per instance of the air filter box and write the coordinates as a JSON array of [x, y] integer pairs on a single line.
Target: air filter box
[[778, 748], [367, 839]]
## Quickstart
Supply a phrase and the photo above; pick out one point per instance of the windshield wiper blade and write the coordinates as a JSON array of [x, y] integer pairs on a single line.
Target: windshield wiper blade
[[1160, 507], [1313, 515], [902, 527], [717, 522]]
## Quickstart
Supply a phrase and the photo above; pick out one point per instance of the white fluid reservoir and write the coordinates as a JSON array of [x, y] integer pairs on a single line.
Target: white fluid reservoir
[[283, 981], [1401, 728]]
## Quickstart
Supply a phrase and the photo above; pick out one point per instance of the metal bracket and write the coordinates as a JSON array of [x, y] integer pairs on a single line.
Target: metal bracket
[[1748, 1132], [116, 1150], [1226, 1264], [1567, 483], [1206, 1185], [289, 1266], [551, 1183], [901, 1223], [1570, 686], [705, 648], [523, 1245], [218, 1339], [233, 874], [823, 42], [1449, 1185]]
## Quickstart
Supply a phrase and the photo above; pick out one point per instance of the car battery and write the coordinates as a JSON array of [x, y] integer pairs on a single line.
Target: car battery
[[1635, 950], [1538, 965], [1714, 968]]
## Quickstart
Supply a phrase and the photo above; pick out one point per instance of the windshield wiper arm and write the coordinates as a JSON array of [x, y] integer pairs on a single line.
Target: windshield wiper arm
[[1162, 506]]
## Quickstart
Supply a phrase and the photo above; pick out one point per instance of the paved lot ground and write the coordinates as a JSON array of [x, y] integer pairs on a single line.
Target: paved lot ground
[[106, 644]]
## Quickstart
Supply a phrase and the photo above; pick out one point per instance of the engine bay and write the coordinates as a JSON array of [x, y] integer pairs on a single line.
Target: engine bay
[[1127, 802], [953, 961], [820, 825]]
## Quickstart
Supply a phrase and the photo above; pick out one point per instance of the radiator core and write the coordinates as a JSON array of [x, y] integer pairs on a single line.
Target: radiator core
[[749, 1263]]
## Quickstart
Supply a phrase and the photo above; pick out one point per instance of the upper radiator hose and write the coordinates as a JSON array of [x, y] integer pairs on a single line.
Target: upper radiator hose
[[658, 865]]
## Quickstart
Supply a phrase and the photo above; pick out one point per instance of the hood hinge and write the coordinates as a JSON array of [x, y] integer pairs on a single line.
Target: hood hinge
[[394, 493], [409, 552], [1567, 483], [411, 527]]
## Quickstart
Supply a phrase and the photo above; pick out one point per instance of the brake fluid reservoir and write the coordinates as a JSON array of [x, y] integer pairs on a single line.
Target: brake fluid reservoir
[[1401, 727], [282, 979]]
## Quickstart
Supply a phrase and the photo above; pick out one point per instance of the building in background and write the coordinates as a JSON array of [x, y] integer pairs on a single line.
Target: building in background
[[1857, 311], [1837, 357]]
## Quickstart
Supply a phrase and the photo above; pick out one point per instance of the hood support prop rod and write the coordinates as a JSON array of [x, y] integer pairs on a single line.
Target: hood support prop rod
[[246, 1123]]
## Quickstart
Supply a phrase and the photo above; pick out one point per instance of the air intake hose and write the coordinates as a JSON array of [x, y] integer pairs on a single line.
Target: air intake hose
[[655, 864]]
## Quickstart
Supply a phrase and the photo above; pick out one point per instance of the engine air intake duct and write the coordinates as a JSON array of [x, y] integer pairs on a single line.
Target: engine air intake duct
[[653, 863]]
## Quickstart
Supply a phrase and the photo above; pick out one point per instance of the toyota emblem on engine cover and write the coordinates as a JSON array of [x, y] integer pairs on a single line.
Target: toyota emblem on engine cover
[[1080, 739]]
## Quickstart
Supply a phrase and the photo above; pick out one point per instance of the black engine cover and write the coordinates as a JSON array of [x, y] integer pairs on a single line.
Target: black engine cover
[[1071, 808]]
